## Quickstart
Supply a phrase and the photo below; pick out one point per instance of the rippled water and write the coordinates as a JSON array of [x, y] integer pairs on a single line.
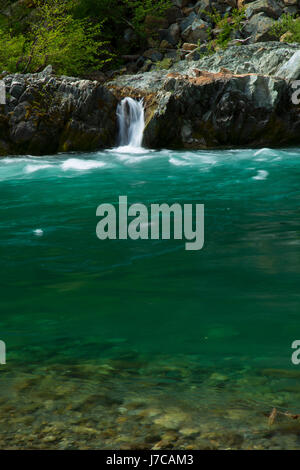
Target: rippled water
[[226, 315]]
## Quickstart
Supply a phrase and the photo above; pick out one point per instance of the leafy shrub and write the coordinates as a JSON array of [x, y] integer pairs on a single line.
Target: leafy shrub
[[164, 64], [127, 12], [227, 24], [141, 8], [287, 23], [70, 45], [11, 50]]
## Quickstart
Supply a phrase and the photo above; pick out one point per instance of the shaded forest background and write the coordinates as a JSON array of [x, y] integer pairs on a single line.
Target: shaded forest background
[[74, 36]]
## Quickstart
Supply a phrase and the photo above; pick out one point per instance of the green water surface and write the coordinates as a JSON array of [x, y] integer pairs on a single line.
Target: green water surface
[[238, 297]]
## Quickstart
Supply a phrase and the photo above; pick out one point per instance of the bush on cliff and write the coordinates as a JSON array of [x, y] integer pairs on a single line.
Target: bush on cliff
[[287, 24], [227, 25]]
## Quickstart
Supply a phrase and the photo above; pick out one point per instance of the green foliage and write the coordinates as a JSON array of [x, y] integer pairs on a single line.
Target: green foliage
[[109, 12], [117, 16], [11, 50], [227, 24], [126, 12], [12, 15], [164, 64], [75, 36], [55, 37], [287, 24], [69, 44], [141, 8]]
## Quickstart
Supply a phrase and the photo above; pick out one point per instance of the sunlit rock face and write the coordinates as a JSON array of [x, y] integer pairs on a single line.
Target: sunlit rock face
[[238, 97]]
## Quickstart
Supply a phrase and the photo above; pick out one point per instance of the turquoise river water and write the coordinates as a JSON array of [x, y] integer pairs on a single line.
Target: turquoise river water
[[122, 344]]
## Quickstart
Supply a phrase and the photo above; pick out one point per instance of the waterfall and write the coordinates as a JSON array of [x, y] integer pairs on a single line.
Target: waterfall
[[131, 119]]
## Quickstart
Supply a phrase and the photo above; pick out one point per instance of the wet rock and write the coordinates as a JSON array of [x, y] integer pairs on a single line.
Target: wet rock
[[189, 432], [23, 132], [140, 62], [171, 55]]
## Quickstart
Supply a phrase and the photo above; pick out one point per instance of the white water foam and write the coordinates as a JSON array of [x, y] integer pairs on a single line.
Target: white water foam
[[34, 168], [81, 165], [261, 175], [177, 162], [265, 151], [38, 232]]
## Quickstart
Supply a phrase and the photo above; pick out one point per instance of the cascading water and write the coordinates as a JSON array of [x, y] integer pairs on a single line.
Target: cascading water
[[131, 119]]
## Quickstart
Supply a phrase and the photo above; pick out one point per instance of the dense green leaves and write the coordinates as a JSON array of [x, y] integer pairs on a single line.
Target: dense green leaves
[[288, 25], [54, 37], [73, 36], [141, 8], [11, 50]]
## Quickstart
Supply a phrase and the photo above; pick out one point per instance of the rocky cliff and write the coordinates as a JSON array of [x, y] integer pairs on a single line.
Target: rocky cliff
[[47, 114], [238, 97]]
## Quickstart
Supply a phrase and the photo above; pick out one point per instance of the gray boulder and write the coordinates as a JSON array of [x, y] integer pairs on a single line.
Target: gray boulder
[[259, 28], [173, 35], [291, 69], [47, 114], [197, 31], [46, 72], [269, 7], [188, 21]]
